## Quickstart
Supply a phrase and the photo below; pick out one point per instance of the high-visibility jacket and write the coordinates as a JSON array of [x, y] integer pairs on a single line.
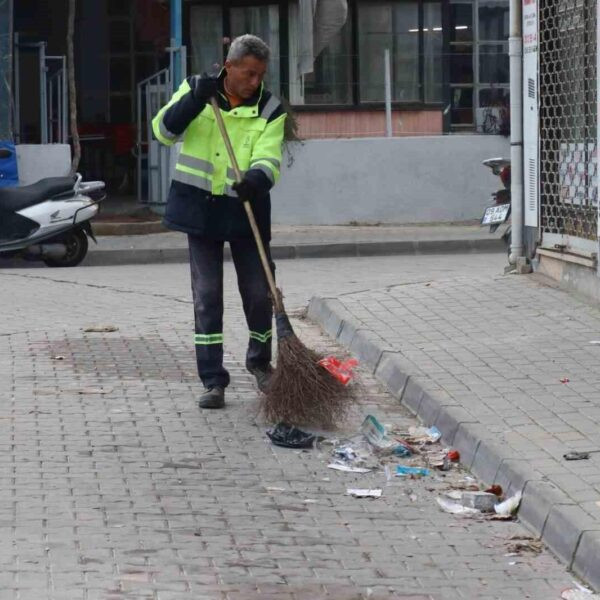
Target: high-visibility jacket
[[201, 199]]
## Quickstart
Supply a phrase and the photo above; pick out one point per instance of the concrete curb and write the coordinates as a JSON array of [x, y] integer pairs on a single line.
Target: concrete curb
[[134, 228], [133, 256], [572, 534]]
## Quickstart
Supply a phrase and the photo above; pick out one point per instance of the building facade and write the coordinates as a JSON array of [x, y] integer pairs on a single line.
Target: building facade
[[449, 60], [448, 67]]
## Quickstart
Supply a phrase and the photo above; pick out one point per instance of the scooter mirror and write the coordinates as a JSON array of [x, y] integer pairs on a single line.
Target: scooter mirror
[[5, 153]]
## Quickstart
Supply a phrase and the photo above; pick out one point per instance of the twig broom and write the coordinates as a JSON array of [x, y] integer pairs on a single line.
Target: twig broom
[[300, 392]]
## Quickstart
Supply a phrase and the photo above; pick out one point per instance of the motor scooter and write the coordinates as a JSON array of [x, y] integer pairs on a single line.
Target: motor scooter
[[499, 212], [48, 220]]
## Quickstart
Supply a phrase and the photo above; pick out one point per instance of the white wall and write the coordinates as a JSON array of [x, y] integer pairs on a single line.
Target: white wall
[[387, 180], [36, 161]]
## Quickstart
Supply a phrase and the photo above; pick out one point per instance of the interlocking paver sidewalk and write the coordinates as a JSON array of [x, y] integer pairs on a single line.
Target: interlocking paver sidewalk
[[115, 486], [515, 356]]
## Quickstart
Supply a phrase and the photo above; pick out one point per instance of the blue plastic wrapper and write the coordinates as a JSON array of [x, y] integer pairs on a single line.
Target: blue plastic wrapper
[[403, 471], [402, 451]]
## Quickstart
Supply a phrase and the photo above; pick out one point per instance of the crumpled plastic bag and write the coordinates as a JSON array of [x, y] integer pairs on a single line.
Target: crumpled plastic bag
[[288, 436]]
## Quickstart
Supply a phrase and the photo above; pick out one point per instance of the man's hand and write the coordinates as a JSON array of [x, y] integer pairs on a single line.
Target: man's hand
[[205, 89], [246, 190]]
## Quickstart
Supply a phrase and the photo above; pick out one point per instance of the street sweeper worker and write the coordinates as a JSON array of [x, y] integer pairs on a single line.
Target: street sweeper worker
[[205, 202]]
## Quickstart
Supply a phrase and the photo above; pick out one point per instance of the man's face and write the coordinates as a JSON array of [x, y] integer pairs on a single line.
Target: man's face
[[244, 76]]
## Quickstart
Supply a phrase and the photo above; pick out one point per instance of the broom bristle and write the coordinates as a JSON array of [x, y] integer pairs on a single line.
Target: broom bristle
[[301, 392]]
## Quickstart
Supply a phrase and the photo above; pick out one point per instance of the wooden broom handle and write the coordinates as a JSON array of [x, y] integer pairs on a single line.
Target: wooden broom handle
[[257, 237]]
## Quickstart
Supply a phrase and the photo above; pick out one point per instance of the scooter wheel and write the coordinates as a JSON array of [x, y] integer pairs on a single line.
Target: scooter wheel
[[77, 247]]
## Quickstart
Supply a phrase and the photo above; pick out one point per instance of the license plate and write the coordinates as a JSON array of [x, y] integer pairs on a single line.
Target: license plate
[[495, 214]]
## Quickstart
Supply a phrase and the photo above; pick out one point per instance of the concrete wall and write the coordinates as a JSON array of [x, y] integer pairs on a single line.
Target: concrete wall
[[380, 180], [367, 123], [36, 161], [571, 272]]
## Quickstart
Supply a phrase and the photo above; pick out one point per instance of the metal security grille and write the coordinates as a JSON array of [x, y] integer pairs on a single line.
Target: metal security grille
[[568, 120]]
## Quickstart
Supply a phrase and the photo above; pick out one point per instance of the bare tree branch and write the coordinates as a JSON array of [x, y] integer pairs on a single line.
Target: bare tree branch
[[72, 90]]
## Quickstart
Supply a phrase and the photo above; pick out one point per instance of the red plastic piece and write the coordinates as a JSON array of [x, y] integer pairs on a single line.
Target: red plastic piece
[[505, 176], [564, 380], [342, 371], [495, 489], [454, 455]]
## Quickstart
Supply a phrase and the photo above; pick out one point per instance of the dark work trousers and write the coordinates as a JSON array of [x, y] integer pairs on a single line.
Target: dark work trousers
[[206, 261]]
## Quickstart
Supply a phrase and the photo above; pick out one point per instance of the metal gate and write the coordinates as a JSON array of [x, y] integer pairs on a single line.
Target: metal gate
[[52, 73], [153, 158], [568, 125]]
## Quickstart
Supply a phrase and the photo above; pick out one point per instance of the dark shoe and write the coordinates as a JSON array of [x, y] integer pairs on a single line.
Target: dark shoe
[[263, 377], [212, 397]]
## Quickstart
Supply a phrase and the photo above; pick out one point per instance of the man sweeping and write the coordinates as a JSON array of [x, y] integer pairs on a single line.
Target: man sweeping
[[206, 202]]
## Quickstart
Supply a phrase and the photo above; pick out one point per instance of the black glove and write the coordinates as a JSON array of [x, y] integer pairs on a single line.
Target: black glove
[[246, 190], [204, 89]]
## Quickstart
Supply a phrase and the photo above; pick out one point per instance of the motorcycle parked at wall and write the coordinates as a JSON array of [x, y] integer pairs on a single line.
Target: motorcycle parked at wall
[[499, 212], [48, 220]]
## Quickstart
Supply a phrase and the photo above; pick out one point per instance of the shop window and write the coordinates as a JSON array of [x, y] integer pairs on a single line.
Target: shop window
[[461, 64], [393, 26], [494, 110], [493, 20], [320, 63], [413, 33], [346, 66], [461, 23], [493, 63], [331, 80], [461, 106], [479, 64]]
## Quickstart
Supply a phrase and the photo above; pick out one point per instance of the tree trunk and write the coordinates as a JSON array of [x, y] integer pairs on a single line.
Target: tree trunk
[[72, 90]]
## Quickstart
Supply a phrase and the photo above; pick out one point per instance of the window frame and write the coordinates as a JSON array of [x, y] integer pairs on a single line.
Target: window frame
[[476, 86], [355, 103]]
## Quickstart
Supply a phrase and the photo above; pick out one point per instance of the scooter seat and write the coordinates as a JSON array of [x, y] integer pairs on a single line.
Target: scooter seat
[[18, 198]]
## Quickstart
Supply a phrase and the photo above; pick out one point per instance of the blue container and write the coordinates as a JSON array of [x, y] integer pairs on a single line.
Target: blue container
[[9, 174]]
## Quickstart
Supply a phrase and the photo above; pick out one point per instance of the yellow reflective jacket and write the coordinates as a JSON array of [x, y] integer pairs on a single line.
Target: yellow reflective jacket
[[201, 199]]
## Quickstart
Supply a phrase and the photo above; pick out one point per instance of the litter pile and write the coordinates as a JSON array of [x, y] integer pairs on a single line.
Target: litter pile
[[373, 447], [412, 454]]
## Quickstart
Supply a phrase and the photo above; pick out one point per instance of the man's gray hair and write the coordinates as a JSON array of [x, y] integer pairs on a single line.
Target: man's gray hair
[[248, 44]]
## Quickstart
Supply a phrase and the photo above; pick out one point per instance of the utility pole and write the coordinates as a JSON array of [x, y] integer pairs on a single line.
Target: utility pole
[[176, 42], [515, 51]]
